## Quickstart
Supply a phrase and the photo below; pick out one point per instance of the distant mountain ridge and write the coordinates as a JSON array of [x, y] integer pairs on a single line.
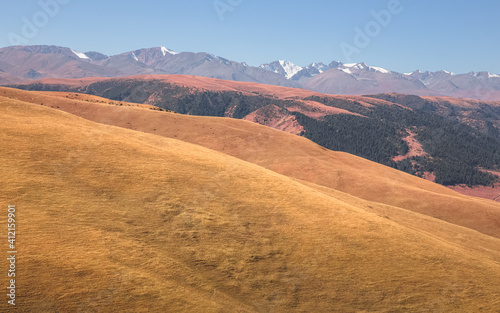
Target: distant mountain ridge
[[24, 63], [35, 62]]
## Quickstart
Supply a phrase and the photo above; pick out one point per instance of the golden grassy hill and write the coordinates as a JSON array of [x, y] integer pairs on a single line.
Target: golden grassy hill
[[116, 220], [286, 154]]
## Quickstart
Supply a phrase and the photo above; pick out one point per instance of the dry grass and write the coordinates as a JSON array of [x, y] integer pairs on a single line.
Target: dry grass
[[117, 220], [289, 155]]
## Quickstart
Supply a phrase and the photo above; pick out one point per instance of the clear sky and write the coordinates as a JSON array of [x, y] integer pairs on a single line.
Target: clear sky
[[458, 36]]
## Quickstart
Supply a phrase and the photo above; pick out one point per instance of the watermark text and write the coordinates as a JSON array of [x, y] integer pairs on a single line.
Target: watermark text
[[11, 252], [224, 6], [363, 36], [31, 26]]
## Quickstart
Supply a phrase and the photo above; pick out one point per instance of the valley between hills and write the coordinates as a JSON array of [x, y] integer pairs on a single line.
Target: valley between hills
[[130, 207], [450, 141]]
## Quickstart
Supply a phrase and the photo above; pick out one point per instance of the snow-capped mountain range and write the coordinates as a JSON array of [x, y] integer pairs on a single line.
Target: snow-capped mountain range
[[285, 68], [295, 72], [22, 63], [360, 78]]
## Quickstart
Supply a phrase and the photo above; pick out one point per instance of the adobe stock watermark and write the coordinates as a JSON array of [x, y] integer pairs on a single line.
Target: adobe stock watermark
[[372, 29], [48, 10], [224, 6], [11, 252]]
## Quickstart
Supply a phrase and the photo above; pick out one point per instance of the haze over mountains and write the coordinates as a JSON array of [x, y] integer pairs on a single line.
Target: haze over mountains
[[21, 63]]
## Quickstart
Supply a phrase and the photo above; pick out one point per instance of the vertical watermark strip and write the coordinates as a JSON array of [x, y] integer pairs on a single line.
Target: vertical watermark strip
[[11, 252]]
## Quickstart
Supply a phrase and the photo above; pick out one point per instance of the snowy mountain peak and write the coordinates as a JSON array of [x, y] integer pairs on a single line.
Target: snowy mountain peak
[[335, 64], [310, 71], [446, 72], [350, 64], [484, 75], [166, 51], [294, 72], [321, 67], [360, 66], [80, 55], [282, 67], [380, 70], [289, 68], [357, 66]]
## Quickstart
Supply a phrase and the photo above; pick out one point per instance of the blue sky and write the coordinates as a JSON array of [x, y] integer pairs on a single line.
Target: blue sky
[[458, 36]]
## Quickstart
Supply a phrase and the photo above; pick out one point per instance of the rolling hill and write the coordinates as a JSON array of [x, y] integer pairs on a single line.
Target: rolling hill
[[283, 153], [114, 219], [459, 138]]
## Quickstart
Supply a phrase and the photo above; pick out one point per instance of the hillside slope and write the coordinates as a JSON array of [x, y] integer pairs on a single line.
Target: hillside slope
[[111, 219], [286, 154], [459, 137]]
